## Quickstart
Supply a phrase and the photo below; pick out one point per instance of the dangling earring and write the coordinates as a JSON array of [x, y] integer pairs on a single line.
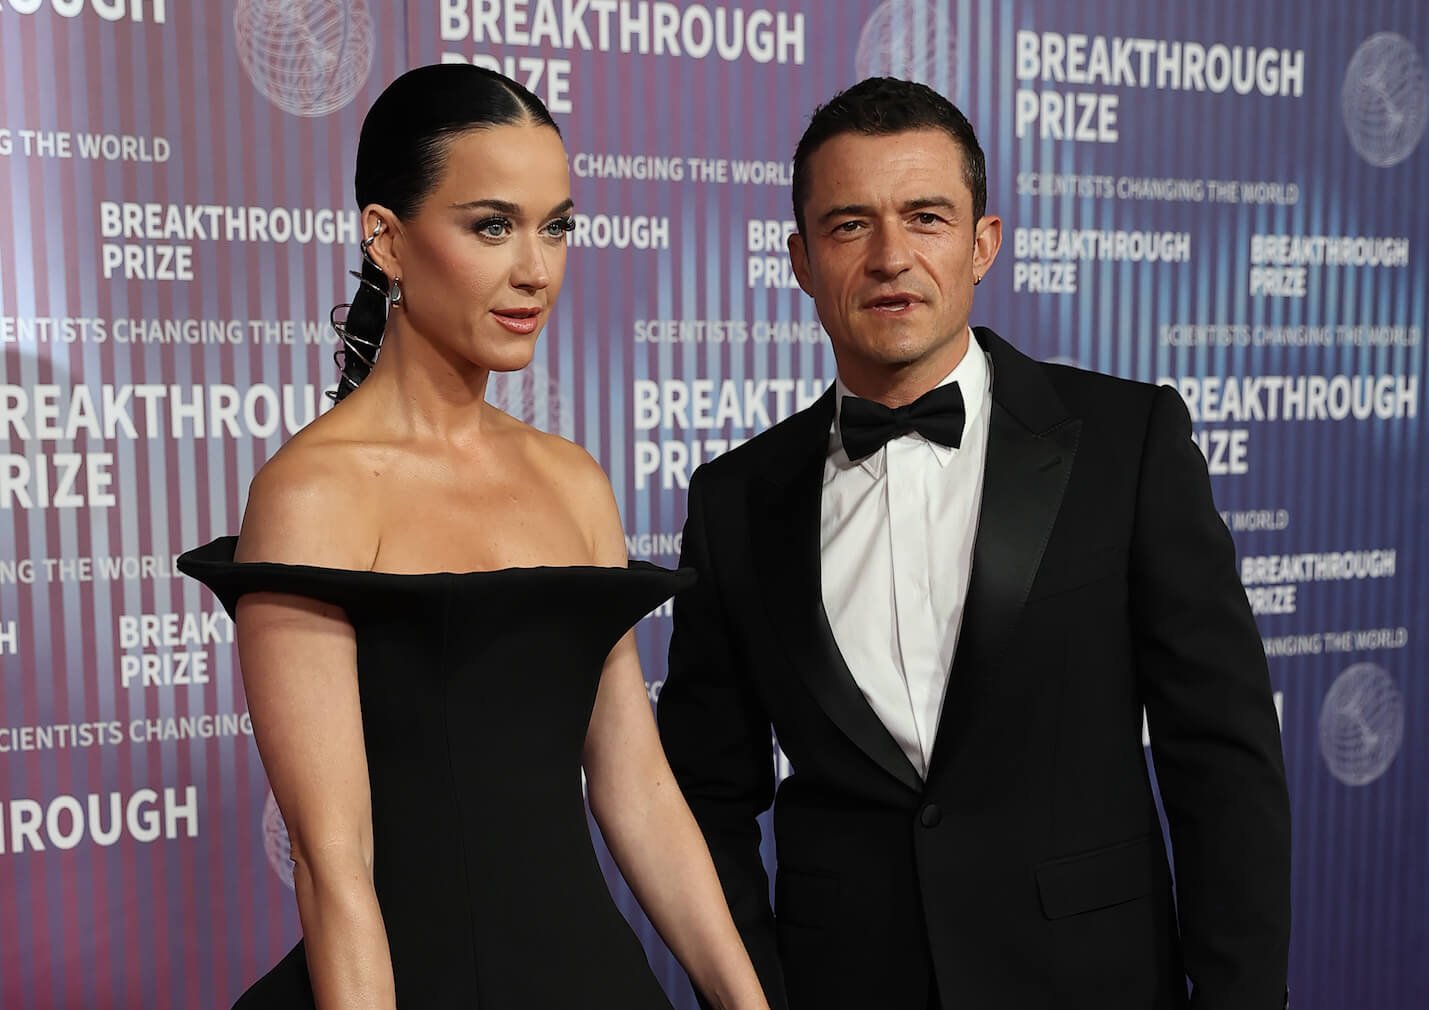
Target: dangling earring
[[394, 293]]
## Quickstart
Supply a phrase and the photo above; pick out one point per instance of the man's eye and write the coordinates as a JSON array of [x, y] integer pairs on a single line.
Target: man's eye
[[849, 226], [926, 218]]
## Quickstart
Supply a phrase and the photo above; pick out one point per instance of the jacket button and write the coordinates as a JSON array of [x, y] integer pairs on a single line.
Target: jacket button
[[931, 816]]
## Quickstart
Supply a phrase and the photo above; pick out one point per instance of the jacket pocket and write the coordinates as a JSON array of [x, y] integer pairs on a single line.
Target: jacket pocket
[[803, 898], [1064, 576], [1099, 879]]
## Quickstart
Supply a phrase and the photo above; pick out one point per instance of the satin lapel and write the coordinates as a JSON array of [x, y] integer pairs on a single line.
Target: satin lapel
[[785, 518], [1023, 482], [1032, 445]]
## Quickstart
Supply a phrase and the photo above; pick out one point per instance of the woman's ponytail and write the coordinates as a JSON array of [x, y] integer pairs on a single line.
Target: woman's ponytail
[[362, 328]]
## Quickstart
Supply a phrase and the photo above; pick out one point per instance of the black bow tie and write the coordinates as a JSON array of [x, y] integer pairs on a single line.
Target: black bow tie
[[937, 415]]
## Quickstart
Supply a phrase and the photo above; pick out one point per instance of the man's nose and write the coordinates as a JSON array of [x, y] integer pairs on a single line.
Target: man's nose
[[889, 252]]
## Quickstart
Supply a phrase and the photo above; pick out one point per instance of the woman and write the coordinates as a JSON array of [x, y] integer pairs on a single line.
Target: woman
[[425, 733]]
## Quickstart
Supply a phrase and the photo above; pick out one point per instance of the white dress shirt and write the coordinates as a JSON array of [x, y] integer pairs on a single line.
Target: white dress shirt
[[896, 535]]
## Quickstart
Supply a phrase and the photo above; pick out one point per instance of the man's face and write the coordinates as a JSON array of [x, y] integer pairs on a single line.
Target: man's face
[[890, 252]]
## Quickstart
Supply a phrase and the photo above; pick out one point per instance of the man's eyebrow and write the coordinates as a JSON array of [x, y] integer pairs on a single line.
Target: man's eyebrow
[[863, 210], [924, 202], [846, 210]]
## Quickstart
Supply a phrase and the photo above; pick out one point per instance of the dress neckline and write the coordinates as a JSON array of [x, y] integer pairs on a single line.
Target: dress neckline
[[220, 552]]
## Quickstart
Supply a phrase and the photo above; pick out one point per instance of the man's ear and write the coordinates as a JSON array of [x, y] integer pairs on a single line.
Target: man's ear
[[799, 259], [987, 240]]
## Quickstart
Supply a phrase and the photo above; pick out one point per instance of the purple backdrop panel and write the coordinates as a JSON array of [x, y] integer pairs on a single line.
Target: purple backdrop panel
[[1223, 197]]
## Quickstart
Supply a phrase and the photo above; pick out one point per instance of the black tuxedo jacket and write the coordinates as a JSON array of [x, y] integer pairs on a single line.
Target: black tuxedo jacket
[[1028, 870]]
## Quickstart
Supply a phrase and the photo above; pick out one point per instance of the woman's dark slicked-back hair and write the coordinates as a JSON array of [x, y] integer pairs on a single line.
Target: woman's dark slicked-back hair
[[879, 106], [400, 156]]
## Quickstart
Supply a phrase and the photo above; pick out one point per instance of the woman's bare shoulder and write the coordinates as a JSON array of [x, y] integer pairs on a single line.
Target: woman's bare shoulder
[[566, 463], [577, 479], [311, 503]]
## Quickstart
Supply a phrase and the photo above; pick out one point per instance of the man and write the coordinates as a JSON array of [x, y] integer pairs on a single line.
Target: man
[[951, 586]]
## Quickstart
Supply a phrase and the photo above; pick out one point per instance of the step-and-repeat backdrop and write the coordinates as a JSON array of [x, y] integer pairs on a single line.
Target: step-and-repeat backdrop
[[1228, 197]]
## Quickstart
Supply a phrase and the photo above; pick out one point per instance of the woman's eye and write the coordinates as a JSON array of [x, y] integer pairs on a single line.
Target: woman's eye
[[493, 227], [560, 227]]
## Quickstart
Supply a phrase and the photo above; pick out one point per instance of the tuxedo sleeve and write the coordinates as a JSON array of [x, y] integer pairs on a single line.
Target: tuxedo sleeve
[[1215, 737], [719, 743]]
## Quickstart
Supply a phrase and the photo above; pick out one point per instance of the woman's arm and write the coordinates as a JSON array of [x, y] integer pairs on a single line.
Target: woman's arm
[[299, 661], [644, 818]]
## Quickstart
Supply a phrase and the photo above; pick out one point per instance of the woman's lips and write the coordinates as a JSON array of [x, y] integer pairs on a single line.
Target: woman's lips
[[522, 321]]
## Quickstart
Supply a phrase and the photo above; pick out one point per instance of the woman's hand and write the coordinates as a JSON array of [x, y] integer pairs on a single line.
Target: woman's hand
[[643, 815]]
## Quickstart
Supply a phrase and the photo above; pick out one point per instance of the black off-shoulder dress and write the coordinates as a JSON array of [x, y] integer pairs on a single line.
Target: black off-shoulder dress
[[476, 693]]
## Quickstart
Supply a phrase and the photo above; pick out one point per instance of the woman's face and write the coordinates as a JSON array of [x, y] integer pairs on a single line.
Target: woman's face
[[482, 259]]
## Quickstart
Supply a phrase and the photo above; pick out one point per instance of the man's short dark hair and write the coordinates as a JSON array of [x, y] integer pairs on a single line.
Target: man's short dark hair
[[879, 106]]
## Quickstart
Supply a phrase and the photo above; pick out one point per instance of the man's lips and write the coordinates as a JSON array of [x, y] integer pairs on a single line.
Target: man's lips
[[893, 304]]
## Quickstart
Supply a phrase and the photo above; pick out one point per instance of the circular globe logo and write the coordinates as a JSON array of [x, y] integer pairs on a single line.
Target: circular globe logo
[[275, 842], [1385, 99], [1361, 724], [308, 57], [907, 39]]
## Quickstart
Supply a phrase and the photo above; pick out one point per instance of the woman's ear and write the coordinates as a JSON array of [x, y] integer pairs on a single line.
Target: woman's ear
[[380, 229]]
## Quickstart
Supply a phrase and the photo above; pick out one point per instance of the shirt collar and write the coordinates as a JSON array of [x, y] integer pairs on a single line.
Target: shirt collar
[[973, 376]]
